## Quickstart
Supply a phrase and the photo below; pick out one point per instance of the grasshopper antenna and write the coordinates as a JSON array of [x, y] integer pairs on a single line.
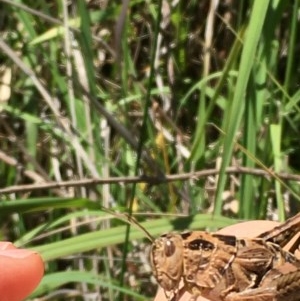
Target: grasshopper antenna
[[128, 219]]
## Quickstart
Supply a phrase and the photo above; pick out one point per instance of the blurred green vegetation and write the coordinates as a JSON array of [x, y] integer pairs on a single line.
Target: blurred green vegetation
[[100, 89]]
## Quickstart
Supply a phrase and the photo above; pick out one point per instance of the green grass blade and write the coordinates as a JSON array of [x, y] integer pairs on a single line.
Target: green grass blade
[[257, 19]]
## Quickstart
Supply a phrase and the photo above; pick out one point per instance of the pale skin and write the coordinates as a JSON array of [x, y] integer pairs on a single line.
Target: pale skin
[[21, 272], [245, 229]]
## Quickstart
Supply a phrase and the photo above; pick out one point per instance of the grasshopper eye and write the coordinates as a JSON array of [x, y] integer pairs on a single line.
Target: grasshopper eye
[[169, 248]]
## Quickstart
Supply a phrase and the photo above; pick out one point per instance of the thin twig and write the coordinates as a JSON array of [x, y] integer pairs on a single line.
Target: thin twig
[[145, 179]]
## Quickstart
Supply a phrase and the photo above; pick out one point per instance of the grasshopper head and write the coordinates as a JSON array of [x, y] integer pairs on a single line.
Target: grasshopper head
[[167, 261]]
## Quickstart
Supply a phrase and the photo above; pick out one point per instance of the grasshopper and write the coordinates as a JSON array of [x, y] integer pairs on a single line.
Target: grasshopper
[[227, 268]]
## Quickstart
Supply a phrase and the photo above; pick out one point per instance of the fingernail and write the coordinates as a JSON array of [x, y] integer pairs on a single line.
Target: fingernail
[[6, 245], [17, 253]]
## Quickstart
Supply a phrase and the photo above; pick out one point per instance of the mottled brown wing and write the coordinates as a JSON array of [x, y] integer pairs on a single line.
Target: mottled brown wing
[[206, 258], [283, 233]]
